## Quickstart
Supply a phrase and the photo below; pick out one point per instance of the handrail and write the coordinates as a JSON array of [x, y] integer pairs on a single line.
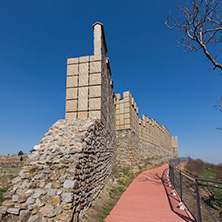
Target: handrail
[[199, 179], [178, 180]]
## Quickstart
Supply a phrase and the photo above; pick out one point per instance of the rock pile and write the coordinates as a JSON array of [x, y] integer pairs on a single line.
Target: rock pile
[[64, 174]]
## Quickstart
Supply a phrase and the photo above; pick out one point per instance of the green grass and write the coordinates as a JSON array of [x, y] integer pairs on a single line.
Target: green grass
[[208, 171], [2, 190]]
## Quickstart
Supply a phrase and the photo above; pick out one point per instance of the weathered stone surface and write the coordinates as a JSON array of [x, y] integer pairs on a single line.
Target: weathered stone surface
[[15, 198], [44, 196], [48, 211], [55, 201], [3, 209], [52, 192], [67, 197], [34, 218], [8, 203], [38, 193], [69, 184], [30, 201], [67, 206], [62, 217], [7, 195], [22, 199], [13, 211]]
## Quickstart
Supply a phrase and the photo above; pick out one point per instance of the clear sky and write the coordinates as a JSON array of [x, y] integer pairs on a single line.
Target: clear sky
[[37, 37]]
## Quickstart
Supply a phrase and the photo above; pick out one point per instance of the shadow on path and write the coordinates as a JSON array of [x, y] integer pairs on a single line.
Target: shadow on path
[[175, 200]]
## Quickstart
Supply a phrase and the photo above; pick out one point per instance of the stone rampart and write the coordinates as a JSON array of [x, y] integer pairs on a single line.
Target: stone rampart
[[74, 160], [148, 134], [64, 175]]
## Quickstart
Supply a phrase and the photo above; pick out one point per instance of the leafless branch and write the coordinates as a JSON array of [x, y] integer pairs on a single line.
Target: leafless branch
[[201, 24]]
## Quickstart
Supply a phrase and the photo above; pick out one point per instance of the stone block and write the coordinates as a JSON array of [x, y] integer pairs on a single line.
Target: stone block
[[71, 115], [127, 126], [127, 94], [71, 93], [72, 60], [97, 57], [127, 121], [126, 104], [121, 108], [121, 120], [91, 58], [83, 59], [71, 105], [95, 91], [126, 115], [83, 68], [83, 80], [95, 79], [72, 69], [127, 110], [121, 127], [118, 96], [72, 81], [95, 67], [83, 114], [96, 114], [95, 103], [83, 99]]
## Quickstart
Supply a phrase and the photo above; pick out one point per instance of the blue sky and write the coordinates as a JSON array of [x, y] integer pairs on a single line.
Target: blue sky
[[174, 88]]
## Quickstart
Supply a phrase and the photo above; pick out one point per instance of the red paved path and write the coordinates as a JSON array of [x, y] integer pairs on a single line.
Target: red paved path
[[149, 198]]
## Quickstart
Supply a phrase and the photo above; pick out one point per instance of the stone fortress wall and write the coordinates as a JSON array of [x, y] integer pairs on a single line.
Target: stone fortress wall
[[75, 159], [139, 139], [147, 129]]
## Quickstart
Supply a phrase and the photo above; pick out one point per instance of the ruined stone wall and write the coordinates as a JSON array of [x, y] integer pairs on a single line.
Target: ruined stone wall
[[128, 153], [64, 175]]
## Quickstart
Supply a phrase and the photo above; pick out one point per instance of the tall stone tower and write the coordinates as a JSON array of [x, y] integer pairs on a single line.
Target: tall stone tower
[[89, 91]]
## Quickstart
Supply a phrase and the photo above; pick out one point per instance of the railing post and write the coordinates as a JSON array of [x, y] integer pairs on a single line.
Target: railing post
[[181, 193], [198, 202]]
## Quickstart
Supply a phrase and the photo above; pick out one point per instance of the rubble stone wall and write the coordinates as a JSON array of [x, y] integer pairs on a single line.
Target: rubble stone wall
[[63, 175]]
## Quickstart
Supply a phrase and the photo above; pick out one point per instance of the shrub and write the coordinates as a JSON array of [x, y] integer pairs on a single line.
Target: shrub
[[20, 153]]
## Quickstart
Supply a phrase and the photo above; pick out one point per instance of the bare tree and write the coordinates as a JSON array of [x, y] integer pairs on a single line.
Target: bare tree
[[218, 106], [201, 24]]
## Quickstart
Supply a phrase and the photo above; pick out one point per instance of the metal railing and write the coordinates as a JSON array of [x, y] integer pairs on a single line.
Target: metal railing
[[203, 198]]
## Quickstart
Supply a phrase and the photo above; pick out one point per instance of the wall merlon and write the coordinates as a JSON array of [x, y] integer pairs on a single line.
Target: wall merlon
[[72, 61], [83, 59]]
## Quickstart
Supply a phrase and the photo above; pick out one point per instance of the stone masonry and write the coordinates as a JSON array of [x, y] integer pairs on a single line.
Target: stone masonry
[[73, 162], [65, 173], [89, 90]]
